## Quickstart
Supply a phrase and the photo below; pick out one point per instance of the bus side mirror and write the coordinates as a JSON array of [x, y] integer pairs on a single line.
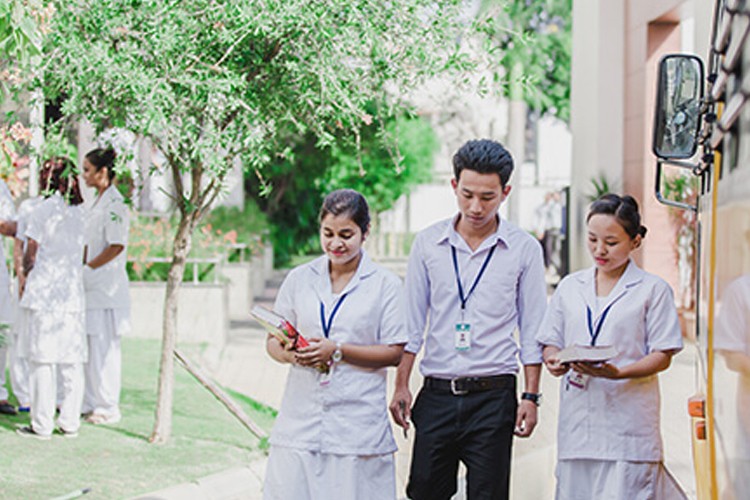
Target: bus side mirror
[[677, 119]]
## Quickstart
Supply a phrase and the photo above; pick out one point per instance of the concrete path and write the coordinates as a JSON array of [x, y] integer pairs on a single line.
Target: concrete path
[[246, 368]]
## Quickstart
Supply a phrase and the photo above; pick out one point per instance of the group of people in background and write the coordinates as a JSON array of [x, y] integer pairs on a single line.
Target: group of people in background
[[472, 282], [61, 332]]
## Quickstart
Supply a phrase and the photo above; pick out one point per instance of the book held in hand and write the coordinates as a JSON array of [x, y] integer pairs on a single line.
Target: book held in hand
[[283, 330], [278, 326], [587, 354]]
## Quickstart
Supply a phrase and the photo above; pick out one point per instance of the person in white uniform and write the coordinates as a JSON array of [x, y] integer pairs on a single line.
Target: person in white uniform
[[7, 228], [106, 283], [54, 343], [608, 438], [332, 438], [732, 343], [19, 368]]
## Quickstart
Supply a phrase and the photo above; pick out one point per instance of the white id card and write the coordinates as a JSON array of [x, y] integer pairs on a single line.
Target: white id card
[[324, 378], [578, 380], [463, 336]]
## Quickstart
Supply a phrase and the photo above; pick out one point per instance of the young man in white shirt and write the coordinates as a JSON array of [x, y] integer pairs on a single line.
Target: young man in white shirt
[[472, 280]]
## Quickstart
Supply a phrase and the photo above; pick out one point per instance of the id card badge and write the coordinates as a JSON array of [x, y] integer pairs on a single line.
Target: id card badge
[[462, 339], [578, 380], [324, 378]]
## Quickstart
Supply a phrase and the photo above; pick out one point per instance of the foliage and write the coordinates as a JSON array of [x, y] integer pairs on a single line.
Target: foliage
[[601, 186], [23, 24], [684, 187], [247, 225], [151, 238], [536, 36], [301, 180], [370, 168], [13, 160], [214, 82]]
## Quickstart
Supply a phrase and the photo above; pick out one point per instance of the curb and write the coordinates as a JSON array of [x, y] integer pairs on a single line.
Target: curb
[[244, 483]]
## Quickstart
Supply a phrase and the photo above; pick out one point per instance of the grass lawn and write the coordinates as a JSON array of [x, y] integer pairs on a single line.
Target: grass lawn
[[117, 461]]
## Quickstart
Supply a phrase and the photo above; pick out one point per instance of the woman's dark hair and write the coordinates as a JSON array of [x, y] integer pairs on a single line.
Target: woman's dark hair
[[103, 158], [59, 174], [347, 202], [623, 208]]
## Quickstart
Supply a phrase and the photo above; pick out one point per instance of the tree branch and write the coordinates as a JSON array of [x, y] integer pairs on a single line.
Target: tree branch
[[267, 58], [231, 49], [177, 180]]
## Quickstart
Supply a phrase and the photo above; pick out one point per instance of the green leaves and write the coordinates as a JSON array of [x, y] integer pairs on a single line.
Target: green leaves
[[222, 78], [535, 34]]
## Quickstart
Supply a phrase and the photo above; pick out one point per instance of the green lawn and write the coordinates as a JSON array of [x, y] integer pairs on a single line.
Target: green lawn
[[117, 461]]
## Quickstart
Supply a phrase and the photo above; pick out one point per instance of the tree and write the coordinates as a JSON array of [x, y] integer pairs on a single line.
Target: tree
[[381, 173], [214, 82], [22, 27], [23, 24], [530, 42]]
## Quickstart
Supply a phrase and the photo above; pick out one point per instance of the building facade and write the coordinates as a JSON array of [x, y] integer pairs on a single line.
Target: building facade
[[617, 45]]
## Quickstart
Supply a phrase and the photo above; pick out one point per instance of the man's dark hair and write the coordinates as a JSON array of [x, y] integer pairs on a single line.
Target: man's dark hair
[[485, 157]]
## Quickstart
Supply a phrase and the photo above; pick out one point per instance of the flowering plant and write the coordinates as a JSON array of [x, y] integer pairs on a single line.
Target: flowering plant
[[13, 163], [150, 247]]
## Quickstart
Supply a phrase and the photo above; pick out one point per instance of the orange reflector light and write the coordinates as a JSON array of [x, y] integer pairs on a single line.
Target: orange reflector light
[[700, 430], [697, 407]]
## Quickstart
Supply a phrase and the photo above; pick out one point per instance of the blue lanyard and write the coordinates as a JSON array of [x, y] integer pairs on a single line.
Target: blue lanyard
[[327, 326], [476, 280], [595, 331]]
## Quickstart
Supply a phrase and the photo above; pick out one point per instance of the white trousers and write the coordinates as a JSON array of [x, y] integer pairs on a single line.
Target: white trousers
[[19, 376], [104, 374], [3, 364], [306, 475], [43, 383], [582, 479]]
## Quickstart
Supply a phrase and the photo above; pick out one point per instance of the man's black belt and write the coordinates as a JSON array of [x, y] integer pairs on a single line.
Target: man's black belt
[[464, 385]]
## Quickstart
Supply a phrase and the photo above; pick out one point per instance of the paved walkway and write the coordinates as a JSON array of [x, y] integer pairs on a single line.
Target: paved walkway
[[246, 368]]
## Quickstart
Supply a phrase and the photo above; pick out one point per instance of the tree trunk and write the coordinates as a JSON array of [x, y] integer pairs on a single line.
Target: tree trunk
[[163, 423]]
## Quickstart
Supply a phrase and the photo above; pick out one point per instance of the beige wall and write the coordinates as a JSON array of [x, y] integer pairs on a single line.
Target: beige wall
[[616, 48], [597, 107]]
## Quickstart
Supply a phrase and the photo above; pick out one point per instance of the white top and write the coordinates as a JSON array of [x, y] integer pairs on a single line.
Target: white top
[[511, 294], [24, 212], [349, 414], [107, 223], [733, 319], [612, 419], [7, 212], [732, 338], [56, 282]]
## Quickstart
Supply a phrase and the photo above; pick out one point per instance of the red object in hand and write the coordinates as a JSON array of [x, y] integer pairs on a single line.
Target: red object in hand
[[297, 339]]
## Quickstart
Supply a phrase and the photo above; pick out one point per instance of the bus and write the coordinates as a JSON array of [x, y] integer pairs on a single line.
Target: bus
[[702, 136]]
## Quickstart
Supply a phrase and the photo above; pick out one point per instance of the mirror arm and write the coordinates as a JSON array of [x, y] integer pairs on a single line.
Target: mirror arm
[[660, 197]]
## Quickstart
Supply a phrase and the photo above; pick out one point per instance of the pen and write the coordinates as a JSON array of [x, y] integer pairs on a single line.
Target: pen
[[402, 407]]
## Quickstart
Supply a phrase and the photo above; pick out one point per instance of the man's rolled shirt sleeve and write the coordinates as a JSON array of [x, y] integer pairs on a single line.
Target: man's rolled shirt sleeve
[[531, 303]]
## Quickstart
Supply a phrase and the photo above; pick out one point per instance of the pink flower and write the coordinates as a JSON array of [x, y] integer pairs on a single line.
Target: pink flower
[[231, 237]]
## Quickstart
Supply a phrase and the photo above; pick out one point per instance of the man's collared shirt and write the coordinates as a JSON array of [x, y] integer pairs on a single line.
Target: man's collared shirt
[[510, 294]]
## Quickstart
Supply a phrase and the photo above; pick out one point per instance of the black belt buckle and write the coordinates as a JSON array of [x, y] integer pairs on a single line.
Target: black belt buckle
[[454, 387]]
